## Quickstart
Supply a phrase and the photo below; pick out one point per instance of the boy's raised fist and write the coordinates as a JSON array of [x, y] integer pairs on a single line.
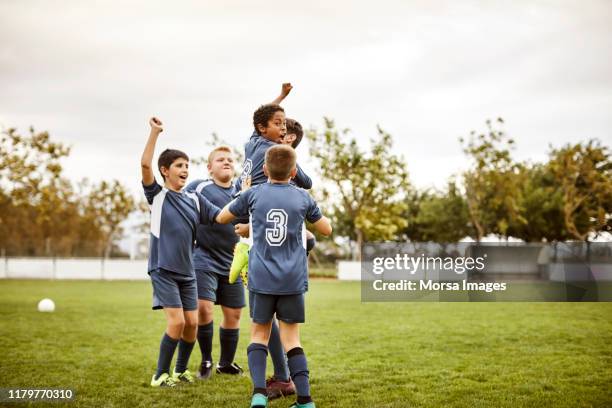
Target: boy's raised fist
[[287, 87], [156, 124]]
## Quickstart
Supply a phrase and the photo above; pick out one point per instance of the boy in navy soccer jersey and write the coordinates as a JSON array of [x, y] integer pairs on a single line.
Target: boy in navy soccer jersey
[[280, 384], [269, 130], [278, 270], [175, 216], [212, 259]]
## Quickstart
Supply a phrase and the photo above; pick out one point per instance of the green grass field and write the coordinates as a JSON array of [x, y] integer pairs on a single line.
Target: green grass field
[[103, 340]]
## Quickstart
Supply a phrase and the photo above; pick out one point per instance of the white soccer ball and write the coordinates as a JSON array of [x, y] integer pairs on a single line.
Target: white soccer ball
[[46, 305]]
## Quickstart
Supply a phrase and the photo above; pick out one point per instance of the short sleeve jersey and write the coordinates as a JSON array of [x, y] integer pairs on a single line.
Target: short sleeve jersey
[[215, 243], [277, 260], [254, 159], [174, 220]]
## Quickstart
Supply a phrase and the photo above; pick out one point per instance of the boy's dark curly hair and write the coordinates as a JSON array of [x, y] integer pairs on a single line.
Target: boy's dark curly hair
[[293, 126], [264, 113]]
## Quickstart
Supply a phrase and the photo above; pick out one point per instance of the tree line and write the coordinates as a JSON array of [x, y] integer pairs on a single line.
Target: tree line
[[368, 194], [43, 214], [366, 191]]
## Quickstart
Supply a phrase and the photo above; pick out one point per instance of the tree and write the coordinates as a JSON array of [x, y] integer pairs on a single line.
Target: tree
[[540, 205], [364, 192], [107, 206], [583, 173], [41, 213], [36, 195], [440, 216], [492, 184]]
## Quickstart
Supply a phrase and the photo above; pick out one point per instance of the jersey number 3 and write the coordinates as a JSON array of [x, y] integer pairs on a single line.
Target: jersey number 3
[[276, 235]]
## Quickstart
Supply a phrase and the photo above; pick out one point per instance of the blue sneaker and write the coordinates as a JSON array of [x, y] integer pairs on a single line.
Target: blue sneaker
[[259, 401]]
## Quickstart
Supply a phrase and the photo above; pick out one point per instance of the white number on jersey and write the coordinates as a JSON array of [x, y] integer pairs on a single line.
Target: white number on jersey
[[276, 235], [246, 170]]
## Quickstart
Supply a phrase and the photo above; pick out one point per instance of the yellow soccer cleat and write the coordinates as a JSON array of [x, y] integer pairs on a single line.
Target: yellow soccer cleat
[[244, 274], [241, 259]]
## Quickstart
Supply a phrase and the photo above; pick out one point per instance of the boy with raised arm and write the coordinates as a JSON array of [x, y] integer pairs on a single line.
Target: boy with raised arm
[[175, 216], [278, 270]]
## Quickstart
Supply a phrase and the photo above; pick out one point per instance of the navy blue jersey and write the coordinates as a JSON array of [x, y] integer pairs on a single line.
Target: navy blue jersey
[[254, 159], [277, 260], [174, 221], [215, 243]]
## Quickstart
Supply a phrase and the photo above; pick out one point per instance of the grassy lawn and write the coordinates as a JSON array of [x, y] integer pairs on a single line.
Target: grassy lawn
[[103, 341]]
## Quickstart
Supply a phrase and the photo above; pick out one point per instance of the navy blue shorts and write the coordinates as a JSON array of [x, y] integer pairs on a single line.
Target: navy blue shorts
[[216, 288], [172, 289], [288, 308]]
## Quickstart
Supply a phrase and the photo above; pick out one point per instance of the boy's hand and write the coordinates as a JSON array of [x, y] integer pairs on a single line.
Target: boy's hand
[[242, 230], [156, 124], [287, 87], [246, 184]]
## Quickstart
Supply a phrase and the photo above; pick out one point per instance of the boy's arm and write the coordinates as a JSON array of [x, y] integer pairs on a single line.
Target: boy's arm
[[301, 179], [323, 226], [238, 207], [147, 155], [286, 88], [208, 211], [313, 215], [225, 216]]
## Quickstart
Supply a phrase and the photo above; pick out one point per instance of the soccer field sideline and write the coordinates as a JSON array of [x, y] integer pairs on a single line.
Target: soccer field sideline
[[102, 341]]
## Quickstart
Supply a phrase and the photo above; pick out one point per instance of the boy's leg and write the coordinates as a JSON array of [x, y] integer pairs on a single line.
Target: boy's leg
[[262, 311], [175, 323], [229, 334], [296, 359], [205, 336], [189, 297], [290, 312], [280, 384], [207, 287], [231, 298], [166, 296], [185, 346], [257, 353], [277, 354]]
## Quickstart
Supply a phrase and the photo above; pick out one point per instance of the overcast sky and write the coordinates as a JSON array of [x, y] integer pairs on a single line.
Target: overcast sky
[[428, 72]]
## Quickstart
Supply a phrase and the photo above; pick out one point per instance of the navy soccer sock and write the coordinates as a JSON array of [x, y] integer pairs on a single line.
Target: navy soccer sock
[[299, 373], [281, 371], [166, 352], [257, 354], [205, 338], [184, 351], [229, 343]]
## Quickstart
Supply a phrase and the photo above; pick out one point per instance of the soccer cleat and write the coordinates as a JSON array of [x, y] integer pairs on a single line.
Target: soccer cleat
[[232, 369], [244, 274], [277, 388], [184, 377], [205, 371], [241, 258], [307, 405], [259, 401], [164, 380]]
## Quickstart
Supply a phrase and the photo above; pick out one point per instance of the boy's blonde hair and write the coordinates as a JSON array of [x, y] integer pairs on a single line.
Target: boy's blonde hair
[[211, 155]]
